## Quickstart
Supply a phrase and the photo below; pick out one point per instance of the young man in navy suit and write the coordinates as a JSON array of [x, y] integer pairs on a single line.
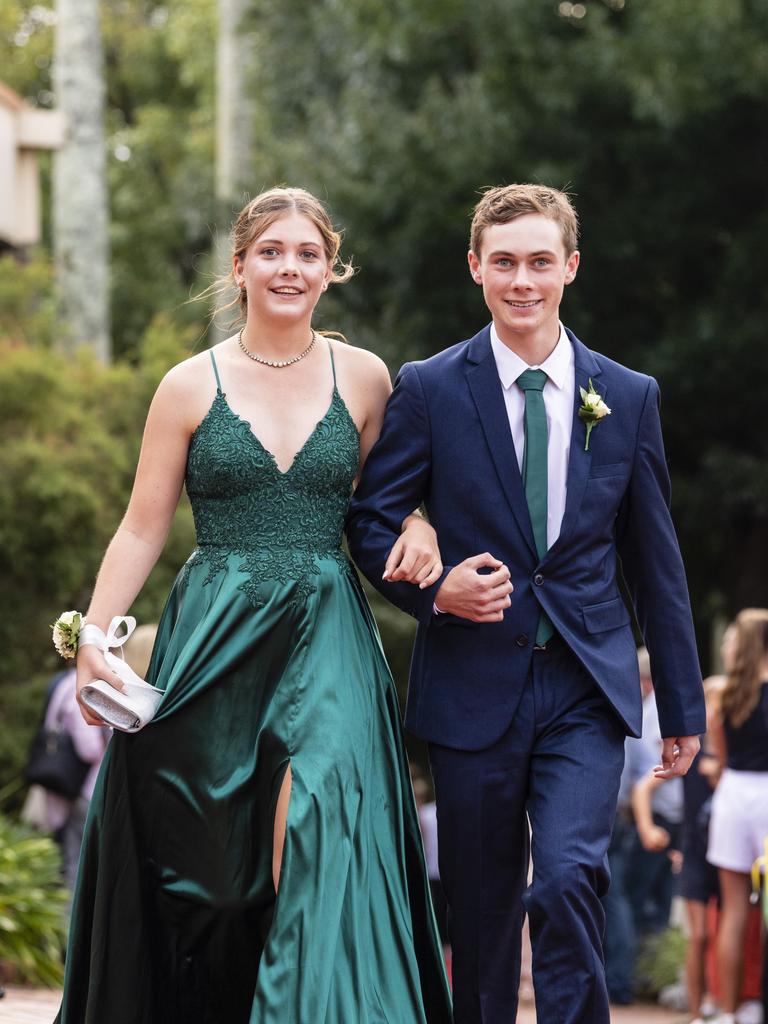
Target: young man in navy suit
[[541, 464]]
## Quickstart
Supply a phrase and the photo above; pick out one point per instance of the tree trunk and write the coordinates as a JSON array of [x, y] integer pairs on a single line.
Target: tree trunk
[[234, 106], [80, 219], [234, 129]]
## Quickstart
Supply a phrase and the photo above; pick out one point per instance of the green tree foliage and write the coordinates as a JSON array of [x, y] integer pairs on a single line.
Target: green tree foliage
[[160, 73], [651, 114], [160, 81], [71, 431]]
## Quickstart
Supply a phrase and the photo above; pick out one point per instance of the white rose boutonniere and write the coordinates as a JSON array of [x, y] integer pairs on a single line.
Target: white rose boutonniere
[[66, 630], [592, 410]]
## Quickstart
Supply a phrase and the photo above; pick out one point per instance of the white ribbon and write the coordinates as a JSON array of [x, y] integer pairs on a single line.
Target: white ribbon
[[94, 635], [135, 704]]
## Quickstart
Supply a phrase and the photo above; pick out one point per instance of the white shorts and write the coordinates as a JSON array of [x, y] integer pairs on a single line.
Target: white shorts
[[739, 823]]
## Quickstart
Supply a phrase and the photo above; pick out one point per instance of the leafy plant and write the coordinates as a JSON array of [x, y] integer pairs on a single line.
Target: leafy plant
[[660, 961], [32, 906]]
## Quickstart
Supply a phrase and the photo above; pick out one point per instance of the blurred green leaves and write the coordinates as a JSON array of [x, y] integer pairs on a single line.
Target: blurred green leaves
[[32, 906]]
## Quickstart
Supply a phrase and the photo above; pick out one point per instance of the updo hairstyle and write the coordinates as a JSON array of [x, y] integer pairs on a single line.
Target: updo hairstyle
[[256, 216]]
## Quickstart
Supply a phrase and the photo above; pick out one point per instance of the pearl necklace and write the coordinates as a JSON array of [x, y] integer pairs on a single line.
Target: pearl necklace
[[277, 363]]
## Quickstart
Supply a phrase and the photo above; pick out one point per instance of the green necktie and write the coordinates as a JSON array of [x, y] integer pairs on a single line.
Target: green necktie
[[532, 382]]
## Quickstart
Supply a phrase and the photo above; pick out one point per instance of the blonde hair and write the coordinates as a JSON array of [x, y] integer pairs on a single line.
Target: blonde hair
[[257, 215], [504, 203], [741, 692]]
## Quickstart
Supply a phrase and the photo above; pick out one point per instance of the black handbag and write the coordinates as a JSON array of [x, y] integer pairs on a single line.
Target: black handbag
[[53, 762]]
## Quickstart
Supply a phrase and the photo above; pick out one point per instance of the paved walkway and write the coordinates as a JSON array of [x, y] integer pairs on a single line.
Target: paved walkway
[[641, 1014], [26, 1006], [29, 1006]]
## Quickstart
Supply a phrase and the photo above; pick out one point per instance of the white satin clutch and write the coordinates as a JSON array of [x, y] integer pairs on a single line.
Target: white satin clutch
[[132, 707]]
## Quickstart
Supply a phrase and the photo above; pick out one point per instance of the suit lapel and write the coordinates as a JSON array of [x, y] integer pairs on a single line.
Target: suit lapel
[[486, 389], [579, 461]]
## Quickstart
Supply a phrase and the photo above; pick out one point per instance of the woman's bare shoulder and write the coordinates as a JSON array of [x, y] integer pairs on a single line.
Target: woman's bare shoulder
[[363, 368], [196, 369], [187, 389]]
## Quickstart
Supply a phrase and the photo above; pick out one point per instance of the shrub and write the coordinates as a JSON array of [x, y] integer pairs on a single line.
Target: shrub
[[660, 961], [32, 906]]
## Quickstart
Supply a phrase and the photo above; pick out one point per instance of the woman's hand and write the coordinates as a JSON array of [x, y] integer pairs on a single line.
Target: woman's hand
[[415, 555], [654, 838], [91, 665]]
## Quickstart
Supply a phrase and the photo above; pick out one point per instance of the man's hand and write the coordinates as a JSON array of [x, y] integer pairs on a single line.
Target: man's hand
[[471, 595], [677, 754]]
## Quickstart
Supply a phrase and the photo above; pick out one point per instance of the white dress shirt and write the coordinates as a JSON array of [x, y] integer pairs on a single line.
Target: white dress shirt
[[559, 392]]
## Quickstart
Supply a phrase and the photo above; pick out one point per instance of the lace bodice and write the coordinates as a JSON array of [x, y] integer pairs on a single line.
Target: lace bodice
[[279, 522]]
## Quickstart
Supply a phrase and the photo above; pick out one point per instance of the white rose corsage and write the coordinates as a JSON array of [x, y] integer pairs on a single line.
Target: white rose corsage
[[592, 410], [66, 631]]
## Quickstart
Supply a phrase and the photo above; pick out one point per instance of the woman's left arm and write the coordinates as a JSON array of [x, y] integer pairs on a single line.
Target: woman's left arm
[[415, 555]]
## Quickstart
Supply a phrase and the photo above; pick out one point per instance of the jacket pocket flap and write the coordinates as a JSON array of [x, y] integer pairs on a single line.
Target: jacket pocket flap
[[604, 616], [610, 469]]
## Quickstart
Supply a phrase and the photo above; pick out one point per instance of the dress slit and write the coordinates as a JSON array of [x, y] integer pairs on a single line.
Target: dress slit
[[283, 802]]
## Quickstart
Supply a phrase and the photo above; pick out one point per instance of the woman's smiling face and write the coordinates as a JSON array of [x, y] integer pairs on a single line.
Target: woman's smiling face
[[285, 269]]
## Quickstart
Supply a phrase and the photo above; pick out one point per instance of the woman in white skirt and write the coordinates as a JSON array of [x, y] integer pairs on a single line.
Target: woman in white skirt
[[739, 821]]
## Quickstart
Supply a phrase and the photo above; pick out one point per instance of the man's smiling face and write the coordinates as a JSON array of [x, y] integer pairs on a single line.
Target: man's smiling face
[[523, 268]]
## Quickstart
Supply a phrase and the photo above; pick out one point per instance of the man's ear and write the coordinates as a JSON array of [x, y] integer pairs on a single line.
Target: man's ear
[[571, 266], [474, 267]]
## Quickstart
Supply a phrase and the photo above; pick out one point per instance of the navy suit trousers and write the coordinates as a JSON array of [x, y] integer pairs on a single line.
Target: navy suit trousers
[[557, 766]]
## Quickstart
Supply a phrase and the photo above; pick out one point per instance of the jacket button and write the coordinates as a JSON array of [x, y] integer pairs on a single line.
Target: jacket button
[[522, 640], [538, 579]]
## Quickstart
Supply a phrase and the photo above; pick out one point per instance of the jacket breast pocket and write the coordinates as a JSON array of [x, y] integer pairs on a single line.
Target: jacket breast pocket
[[599, 618], [610, 469]]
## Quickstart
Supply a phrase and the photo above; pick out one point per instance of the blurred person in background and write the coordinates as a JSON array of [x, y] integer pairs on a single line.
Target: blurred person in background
[[739, 822], [62, 817], [698, 878], [619, 939], [658, 815]]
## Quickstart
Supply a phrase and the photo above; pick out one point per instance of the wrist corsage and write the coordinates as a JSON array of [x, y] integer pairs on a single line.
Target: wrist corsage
[[66, 633]]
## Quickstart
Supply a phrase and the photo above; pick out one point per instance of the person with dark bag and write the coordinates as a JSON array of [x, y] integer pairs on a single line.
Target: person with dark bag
[[64, 760], [53, 761]]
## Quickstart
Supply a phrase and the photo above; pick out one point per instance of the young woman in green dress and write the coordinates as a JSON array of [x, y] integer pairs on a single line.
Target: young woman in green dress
[[253, 855]]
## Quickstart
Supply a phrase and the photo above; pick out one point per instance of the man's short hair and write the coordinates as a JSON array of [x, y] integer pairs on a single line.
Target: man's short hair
[[504, 203]]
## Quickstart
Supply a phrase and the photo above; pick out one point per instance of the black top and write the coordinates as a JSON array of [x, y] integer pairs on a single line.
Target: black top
[[748, 743]]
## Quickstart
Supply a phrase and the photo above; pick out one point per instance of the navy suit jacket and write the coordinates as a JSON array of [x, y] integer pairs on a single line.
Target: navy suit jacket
[[446, 442]]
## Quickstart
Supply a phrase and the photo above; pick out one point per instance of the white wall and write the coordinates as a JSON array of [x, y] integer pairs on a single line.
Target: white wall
[[24, 131]]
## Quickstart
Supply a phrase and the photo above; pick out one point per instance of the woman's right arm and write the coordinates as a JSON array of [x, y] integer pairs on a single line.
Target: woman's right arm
[[138, 542]]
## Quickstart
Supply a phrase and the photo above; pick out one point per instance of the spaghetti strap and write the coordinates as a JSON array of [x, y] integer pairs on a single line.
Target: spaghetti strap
[[333, 364], [216, 370]]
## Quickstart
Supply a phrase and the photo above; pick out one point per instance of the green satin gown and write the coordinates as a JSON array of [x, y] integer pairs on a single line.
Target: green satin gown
[[268, 656]]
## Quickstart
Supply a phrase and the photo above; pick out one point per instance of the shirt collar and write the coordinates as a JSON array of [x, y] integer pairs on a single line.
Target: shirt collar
[[510, 365]]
